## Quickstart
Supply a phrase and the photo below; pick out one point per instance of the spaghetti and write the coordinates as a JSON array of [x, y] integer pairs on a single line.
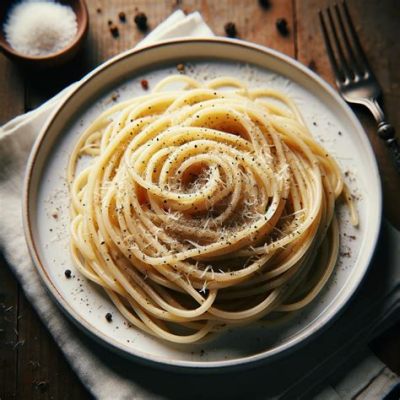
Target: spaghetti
[[204, 207]]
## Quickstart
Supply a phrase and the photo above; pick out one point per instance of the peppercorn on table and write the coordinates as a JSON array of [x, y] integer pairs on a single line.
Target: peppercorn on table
[[32, 366]]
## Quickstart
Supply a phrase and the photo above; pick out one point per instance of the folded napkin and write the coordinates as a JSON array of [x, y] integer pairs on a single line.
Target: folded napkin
[[107, 376]]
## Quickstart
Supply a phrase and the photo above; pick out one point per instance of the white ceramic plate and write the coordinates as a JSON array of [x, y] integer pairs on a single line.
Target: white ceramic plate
[[46, 205]]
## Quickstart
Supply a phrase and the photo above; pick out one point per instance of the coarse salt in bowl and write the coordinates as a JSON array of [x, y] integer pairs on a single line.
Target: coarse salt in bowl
[[40, 28], [42, 33]]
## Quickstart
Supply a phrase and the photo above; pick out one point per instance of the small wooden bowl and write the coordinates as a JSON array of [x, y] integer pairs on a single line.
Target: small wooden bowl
[[54, 59]]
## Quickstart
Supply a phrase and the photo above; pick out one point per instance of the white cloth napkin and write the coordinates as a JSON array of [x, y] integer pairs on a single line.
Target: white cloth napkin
[[108, 376]]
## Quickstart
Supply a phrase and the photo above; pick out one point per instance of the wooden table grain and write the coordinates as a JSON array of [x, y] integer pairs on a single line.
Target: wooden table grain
[[31, 365]]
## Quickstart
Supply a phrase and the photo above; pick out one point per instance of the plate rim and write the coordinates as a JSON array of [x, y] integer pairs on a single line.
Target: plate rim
[[159, 361]]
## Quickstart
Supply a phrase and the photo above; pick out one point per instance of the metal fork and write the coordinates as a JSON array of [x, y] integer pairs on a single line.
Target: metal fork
[[354, 77]]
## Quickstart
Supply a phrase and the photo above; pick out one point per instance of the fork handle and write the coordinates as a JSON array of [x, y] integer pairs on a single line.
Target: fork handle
[[385, 130], [387, 133]]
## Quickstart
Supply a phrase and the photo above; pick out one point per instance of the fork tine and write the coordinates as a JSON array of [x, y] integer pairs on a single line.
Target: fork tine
[[338, 73], [362, 59], [356, 64], [342, 59]]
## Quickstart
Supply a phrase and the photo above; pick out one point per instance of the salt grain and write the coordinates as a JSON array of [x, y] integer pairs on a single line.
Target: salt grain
[[40, 27]]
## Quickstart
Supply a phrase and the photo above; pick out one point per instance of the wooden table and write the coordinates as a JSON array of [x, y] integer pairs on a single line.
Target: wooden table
[[31, 365]]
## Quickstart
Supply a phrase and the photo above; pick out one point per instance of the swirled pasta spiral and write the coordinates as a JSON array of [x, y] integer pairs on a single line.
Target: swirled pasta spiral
[[204, 207]]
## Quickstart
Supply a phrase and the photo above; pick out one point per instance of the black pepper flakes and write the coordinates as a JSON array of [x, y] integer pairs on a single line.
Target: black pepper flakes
[[230, 29], [122, 16], [109, 317], [141, 21], [282, 26], [145, 84], [67, 273]]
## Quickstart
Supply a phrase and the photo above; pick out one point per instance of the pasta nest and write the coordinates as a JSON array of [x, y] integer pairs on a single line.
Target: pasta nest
[[204, 207]]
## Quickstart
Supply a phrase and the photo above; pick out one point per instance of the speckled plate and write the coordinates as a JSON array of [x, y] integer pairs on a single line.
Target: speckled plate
[[46, 200]]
